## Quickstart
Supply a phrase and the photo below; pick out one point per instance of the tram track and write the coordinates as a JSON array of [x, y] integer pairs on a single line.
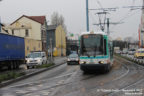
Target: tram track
[[119, 78], [87, 77], [131, 85], [123, 75]]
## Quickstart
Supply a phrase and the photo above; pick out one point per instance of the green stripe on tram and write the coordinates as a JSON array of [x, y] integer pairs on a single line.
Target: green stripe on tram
[[97, 57]]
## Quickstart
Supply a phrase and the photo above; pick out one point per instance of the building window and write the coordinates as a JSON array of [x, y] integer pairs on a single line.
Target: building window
[[26, 32], [27, 48], [12, 32], [39, 45], [34, 49]]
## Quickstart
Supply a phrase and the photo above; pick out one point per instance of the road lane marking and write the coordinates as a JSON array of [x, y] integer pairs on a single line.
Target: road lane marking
[[45, 93], [40, 85], [67, 81], [21, 91], [32, 88], [61, 82], [28, 95], [7, 94], [32, 83]]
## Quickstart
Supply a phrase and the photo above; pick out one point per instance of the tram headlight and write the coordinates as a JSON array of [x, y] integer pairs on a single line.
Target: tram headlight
[[101, 62], [104, 62], [82, 62]]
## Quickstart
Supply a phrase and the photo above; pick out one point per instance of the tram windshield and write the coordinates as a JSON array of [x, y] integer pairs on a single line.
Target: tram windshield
[[93, 45]]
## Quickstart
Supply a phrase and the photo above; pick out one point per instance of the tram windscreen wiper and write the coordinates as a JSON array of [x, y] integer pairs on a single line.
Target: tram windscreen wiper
[[87, 54], [95, 49]]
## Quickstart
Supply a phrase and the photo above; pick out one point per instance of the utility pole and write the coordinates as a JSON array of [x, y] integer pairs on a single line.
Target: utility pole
[[87, 16], [61, 44], [51, 51], [108, 26], [0, 24]]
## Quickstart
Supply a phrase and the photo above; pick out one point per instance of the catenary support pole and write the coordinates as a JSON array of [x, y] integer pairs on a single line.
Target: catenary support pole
[[87, 16]]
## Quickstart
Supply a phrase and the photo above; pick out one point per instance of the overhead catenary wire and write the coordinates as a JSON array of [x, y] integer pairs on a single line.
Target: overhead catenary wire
[[98, 2], [128, 14], [126, 17]]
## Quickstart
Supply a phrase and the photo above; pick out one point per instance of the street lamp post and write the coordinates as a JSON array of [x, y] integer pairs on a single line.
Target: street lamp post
[[61, 44]]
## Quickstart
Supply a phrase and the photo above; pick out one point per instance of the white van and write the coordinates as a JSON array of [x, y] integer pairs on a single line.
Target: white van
[[36, 58]]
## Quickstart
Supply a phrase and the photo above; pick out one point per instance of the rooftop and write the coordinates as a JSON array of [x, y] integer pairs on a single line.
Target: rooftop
[[39, 19]]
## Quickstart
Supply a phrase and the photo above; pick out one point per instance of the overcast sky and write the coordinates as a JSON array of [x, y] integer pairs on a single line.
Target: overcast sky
[[75, 14]]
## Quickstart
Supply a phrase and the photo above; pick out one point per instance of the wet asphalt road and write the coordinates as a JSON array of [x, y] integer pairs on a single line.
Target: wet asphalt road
[[125, 79]]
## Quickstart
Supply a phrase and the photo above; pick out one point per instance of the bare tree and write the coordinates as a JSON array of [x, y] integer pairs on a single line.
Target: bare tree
[[57, 19], [129, 39]]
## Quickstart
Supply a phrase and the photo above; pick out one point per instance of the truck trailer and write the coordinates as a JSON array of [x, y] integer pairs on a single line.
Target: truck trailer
[[12, 51]]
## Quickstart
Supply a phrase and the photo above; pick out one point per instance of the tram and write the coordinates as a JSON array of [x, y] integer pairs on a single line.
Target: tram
[[96, 51]]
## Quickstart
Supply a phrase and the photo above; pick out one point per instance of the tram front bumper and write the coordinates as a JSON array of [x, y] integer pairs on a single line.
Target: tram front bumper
[[94, 67]]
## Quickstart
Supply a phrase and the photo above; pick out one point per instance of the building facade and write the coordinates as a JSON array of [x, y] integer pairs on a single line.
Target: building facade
[[56, 37], [33, 29], [32, 45]]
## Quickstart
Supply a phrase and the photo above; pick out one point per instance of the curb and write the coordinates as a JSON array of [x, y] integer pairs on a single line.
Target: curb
[[3, 84]]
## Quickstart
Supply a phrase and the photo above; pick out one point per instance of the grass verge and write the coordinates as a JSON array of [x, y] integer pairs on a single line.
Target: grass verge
[[45, 65], [15, 74], [10, 75], [123, 57]]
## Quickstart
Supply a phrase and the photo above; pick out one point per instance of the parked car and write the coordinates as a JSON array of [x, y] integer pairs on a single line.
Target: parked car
[[36, 58], [125, 51], [73, 59], [131, 51], [139, 53], [118, 52]]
